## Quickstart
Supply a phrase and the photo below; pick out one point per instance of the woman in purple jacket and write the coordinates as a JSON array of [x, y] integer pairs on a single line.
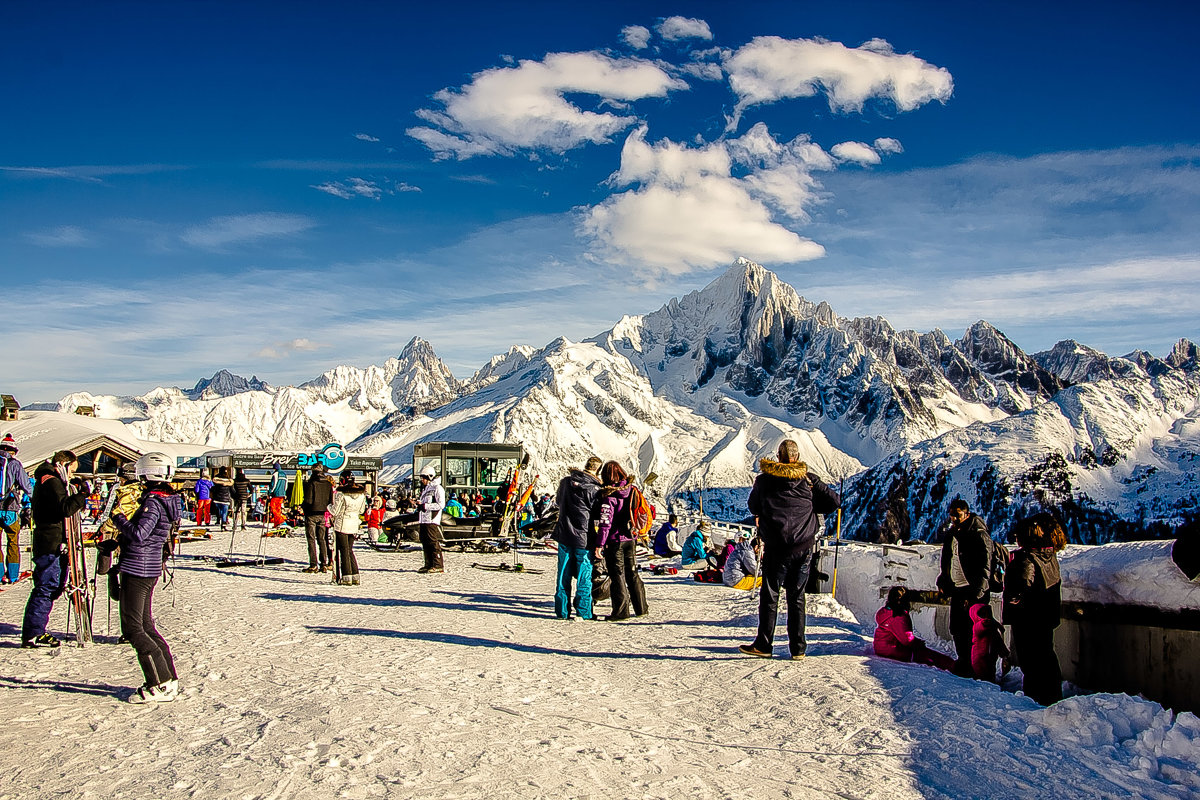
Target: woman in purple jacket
[[143, 540], [612, 518]]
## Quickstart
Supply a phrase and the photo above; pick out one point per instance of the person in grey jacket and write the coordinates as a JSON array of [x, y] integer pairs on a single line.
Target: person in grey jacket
[[429, 520], [143, 539], [741, 568], [966, 560], [576, 496]]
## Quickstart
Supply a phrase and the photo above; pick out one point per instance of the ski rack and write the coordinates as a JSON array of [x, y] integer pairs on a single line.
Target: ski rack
[[508, 523]]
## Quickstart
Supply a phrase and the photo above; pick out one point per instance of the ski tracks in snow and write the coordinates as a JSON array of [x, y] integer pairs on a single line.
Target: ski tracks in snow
[[463, 685]]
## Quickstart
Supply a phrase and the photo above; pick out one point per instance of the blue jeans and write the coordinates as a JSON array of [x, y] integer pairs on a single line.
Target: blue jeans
[[787, 571], [49, 582], [222, 511], [574, 563]]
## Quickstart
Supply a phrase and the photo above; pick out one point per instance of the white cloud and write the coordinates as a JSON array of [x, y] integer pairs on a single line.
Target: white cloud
[[889, 146], [245, 228], [506, 110], [366, 137], [770, 68], [350, 188], [673, 29], [636, 36], [856, 152], [62, 236], [285, 349], [688, 212]]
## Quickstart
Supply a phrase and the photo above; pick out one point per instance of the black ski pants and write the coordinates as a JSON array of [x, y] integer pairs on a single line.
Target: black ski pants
[[431, 544], [318, 541], [347, 564], [627, 591], [137, 625], [786, 572], [1034, 646]]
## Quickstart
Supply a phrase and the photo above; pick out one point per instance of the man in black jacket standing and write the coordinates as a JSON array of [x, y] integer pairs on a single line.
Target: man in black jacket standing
[[576, 496], [318, 496], [52, 505], [786, 499], [966, 559]]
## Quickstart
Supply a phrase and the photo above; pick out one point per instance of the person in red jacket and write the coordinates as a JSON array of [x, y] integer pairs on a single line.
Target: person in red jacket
[[374, 519], [987, 642], [894, 636]]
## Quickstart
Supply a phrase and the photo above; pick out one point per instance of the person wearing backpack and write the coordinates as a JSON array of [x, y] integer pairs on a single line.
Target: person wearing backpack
[[964, 579], [786, 500], [14, 487], [143, 540], [576, 496], [613, 516]]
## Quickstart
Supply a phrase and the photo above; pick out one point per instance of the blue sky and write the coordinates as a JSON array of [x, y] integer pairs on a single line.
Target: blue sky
[[278, 188]]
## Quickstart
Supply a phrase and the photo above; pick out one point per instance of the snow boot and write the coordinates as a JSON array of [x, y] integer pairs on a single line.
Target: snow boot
[[12, 572], [151, 694], [45, 640]]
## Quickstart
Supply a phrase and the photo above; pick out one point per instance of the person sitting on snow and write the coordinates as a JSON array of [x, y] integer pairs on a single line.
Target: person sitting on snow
[[664, 540], [894, 636], [741, 567], [695, 547]]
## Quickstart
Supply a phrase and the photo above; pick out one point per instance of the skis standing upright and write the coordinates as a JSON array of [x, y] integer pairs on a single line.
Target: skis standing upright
[[78, 589]]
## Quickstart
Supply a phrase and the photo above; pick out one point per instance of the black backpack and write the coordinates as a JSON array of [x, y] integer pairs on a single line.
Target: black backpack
[[999, 564]]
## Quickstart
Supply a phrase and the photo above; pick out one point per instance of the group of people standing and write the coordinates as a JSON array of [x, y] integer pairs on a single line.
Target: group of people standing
[[1031, 604]]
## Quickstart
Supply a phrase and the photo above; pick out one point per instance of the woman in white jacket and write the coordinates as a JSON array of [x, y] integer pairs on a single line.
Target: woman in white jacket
[[347, 511]]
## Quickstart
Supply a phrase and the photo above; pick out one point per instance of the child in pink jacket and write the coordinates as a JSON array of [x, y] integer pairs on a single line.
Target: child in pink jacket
[[987, 642], [894, 636]]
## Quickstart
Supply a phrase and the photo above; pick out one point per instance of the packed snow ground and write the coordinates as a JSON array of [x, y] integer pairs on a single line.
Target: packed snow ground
[[464, 685]]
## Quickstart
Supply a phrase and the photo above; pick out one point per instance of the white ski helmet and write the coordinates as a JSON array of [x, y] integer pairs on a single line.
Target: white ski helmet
[[155, 467], [429, 472]]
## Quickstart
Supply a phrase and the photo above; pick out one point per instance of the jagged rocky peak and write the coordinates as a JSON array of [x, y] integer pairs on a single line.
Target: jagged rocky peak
[[1077, 363], [418, 349], [225, 384], [1185, 355], [996, 355]]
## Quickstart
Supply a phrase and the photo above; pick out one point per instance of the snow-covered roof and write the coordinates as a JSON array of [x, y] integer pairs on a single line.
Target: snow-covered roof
[[40, 434]]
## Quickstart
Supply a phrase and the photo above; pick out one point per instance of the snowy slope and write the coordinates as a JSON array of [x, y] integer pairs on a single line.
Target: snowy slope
[[1114, 459]]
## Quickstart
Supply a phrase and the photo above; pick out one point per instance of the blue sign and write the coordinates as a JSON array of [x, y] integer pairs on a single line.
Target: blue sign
[[333, 456]]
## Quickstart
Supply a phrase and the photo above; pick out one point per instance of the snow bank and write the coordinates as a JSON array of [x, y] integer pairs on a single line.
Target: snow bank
[[1154, 743]]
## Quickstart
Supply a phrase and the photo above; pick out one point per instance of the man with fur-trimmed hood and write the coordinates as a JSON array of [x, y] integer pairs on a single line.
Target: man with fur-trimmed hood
[[786, 500]]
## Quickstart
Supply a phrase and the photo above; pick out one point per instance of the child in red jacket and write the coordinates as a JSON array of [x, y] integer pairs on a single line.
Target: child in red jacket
[[987, 642]]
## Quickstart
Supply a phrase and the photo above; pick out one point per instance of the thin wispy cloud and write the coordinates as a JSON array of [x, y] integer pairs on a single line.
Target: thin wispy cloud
[[366, 137], [89, 173], [222, 232], [360, 187], [281, 350], [62, 236]]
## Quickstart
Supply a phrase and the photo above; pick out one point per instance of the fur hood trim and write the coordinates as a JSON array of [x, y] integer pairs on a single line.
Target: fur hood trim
[[793, 472]]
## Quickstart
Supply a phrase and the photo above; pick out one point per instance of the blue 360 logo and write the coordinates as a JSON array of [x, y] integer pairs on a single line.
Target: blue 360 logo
[[333, 456]]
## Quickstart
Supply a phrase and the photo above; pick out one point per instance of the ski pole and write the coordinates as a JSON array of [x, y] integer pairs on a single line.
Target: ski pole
[[837, 542]]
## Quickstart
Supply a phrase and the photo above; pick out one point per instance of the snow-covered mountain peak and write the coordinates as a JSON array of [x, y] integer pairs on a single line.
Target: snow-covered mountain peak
[[224, 383]]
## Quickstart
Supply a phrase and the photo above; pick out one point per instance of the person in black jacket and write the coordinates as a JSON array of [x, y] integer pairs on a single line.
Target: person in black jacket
[[318, 496], [786, 500], [1033, 605], [241, 498], [966, 560], [576, 496], [52, 505]]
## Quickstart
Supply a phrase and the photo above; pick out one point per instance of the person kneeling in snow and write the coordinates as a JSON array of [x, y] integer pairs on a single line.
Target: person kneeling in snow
[[741, 568], [894, 636]]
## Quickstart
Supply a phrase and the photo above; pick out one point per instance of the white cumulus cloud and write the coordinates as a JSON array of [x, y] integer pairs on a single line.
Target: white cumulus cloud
[[770, 69], [674, 29], [888, 145], [856, 152], [510, 109], [683, 209], [636, 36]]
